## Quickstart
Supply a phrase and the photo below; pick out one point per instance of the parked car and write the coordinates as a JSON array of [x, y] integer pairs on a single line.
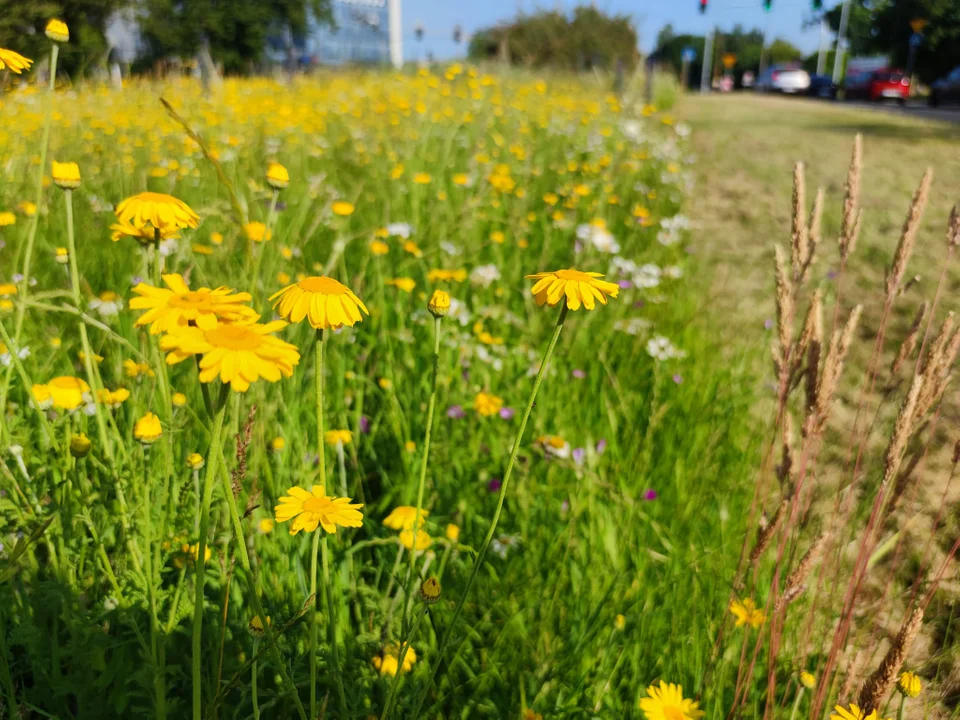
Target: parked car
[[946, 90], [877, 85], [822, 86], [790, 79]]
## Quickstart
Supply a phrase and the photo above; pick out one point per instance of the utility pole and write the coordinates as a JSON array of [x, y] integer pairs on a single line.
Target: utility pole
[[707, 70], [396, 34], [822, 55], [841, 42]]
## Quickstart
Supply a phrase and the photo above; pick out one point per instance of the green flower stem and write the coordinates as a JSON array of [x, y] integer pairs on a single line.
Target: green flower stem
[[796, 702], [253, 680], [423, 472], [213, 457], [314, 553], [318, 384], [332, 624], [903, 703], [496, 516], [401, 654], [28, 385], [92, 379], [251, 578], [32, 231], [158, 685]]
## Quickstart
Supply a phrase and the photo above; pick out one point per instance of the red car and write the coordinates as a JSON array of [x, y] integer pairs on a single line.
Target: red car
[[878, 85]]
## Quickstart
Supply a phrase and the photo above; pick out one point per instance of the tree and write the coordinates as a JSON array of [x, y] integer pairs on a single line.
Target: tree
[[22, 24], [236, 31], [589, 38], [882, 27]]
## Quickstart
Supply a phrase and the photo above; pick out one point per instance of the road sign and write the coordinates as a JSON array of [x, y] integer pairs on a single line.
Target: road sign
[[918, 24], [729, 60], [688, 54]]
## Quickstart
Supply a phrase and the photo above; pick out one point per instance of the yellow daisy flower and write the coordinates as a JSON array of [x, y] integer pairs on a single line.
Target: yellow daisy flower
[[486, 404], [579, 288], [309, 509], [143, 234], [257, 232], [388, 662], [161, 211], [332, 437], [667, 703], [237, 354], [424, 541], [909, 685], [405, 284], [342, 208], [16, 62], [147, 429], [402, 517], [325, 302], [179, 306], [65, 392], [747, 613], [853, 713]]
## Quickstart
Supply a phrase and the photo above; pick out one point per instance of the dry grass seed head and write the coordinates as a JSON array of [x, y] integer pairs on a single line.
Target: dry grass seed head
[[902, 430], [908, 236], [832, 368], [784, 303], [910, 341], [879, 684], [799, 238], [850, 225], [767, 530]]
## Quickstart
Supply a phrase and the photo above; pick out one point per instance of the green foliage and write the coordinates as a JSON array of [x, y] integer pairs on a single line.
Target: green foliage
[[590, 38], [236, 31]]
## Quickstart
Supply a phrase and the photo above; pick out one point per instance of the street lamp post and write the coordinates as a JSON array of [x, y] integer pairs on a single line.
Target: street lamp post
[[841, 41]]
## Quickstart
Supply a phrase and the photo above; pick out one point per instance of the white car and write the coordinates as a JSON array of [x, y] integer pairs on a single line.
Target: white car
[[787, 79]]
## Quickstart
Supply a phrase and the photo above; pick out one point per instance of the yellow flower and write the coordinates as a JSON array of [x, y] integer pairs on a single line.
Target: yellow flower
[[453, 533], [238, 354], [379, 247], [16, 62], [266, 525], [164, 212], [58, 31], [179, 306], [278, 444], [257, 232], [430, 590], [179, 400], [113, 398], [853, 713], [201, 249], [486, 404], [216, 238], [7, 218], [80, 445], [439, 304], [497, 237], [277, 176], [147, 429], [332, 437], [133, 369], [42, 396], [438, 275], [405, 284], [27, 208], [384, 383], [402, 517], [66, 175], [326, 303], [342, 208], [578, 288], [61, 255], [461, 179], [308, 509], [8, 289], [619, 622], [530, 714], [422, 178], [83, 357], [424, 541], [909, 685], [195, 461], [194, 551], [808, 680], [667, 703], [67, 393], [255, 626], [747, 613], [411, 247], [410, 446], [388, 663]]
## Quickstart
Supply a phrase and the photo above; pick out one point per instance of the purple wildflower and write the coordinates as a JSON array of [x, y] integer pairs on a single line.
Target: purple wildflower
[[625, 284], [768, 324], [364, 424], [650, 494], [456, 412], [601, 446], [507, 413], [494, 485], [678, 378], [579, 374], [578, 455]]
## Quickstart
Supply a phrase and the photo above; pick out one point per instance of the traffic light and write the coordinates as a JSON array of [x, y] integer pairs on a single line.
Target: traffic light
[[703, 7], [767, 4], [457, 34]]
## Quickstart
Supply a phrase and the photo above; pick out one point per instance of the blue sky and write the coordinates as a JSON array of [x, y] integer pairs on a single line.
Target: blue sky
[[439, 17]]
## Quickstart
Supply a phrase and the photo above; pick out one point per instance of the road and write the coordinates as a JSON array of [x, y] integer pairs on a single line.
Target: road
[[915, 108]]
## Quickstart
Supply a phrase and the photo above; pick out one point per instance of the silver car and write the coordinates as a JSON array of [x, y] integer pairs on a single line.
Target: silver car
[[787, 79]]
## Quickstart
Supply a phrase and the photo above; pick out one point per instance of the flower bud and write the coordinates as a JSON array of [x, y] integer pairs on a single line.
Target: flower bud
[[277, 176], [195, 461], [80, 446], [808, 680], [147, 429], [58, 31], [66, 175], [909, 685], [439, 304], [430, 590]]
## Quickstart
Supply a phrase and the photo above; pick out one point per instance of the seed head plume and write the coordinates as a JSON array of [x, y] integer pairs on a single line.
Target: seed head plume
[[813, 233], [767, 530], [909, 343], [784, 303], [799, 238], [953, 227], [796, 581], [832, 368], [811, 344], [878, 685], [908, 236], [850, 225], [902, 431]]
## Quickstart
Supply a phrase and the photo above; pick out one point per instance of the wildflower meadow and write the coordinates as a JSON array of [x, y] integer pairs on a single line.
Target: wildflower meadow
[[381, 394]]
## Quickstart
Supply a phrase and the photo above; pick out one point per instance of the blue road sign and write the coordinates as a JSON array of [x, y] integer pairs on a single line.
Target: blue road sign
[[688, 54]]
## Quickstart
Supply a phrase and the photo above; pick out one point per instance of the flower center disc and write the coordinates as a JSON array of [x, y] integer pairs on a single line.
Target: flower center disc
[[577, 276], [672, 712], [233, 337], [316, 505], [323, 285]]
